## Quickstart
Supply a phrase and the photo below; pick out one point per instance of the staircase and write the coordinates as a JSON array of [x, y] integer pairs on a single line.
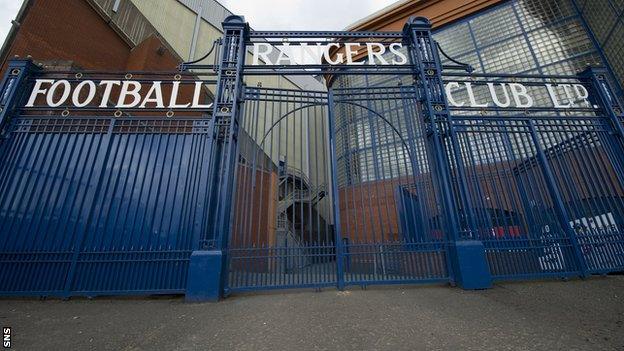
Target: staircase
[[311, 196], [295, 191]]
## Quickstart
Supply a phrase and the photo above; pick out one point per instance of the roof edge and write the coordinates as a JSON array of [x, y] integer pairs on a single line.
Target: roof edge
[[440, 12], [380, 14]]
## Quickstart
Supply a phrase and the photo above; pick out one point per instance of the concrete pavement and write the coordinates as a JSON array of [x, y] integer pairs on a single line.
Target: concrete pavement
[[550, 315]]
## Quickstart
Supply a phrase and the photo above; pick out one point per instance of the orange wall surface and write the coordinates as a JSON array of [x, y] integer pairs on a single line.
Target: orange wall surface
[[440, 12]]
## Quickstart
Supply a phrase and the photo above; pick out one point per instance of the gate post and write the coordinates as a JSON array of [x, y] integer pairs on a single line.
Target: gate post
[[13, 87], [606, 99], [207, 272], [467, 257]]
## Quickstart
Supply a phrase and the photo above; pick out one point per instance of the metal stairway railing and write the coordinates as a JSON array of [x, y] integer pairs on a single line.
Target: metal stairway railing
[[312, 196]]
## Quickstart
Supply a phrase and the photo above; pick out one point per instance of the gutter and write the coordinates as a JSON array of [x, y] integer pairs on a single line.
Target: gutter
[[15, 24]]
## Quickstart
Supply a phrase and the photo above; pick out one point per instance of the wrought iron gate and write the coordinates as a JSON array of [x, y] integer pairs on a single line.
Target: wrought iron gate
[[282, 233], [391, 230], [381, 179], [293, 227], [545, 186], [412, 177]]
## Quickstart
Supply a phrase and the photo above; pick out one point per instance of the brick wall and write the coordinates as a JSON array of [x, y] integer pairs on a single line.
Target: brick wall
[[72, 30]]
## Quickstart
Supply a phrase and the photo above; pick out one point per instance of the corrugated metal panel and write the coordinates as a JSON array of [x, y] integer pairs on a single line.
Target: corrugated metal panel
[[211, 10], [128, 19]]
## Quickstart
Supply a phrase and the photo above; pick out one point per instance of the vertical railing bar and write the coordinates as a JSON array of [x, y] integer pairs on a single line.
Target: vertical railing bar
[[400, 249], [537, 177], [41, 203], [556, 197], [16, 199], [328, 175], [316, 250], [78, 242], [336, 207]]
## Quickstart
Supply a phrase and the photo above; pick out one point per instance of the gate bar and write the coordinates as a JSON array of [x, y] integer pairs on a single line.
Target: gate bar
[[555, 192], [334, 183]]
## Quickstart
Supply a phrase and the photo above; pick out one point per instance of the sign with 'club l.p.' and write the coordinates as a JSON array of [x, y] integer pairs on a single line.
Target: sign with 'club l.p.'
[[131, 94]]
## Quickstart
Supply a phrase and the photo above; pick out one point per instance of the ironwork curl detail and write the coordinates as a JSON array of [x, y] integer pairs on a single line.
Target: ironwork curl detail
[[185, 65], [462, 65]]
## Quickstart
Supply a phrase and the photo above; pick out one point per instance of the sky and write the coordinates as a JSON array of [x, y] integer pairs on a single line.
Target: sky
[[266, 14], [303, 14], [8, 11]]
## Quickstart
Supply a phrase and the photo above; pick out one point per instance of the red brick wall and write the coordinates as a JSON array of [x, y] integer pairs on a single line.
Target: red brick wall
[[255, 208], [367, 210], [72, 30], [151, 55]]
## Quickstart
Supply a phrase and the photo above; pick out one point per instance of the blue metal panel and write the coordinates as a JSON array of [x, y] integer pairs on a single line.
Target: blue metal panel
[[74, 219], [143, 226], [91, 204]]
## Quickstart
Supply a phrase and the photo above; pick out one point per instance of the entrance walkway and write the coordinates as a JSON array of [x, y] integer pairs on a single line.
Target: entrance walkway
[[554, 315]]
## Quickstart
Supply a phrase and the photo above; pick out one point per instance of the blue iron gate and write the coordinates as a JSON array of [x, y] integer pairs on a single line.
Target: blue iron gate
[[385, 178], [101, 202], [390, 226], [292, 228], [282, 232], [545, 185]]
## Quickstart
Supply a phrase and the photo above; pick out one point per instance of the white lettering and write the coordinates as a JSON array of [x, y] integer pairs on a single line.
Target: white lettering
[[394, 48], [311, 55], [327, 56], [282, 56], [449, 95], [173, 102], [352, 49], [582, 93], [471, 97], [131, 89], [197, 95], [64, 95], [155, 90], [374, 54], [568, 92], [38, 91], [331, 53], [129, 94], [264, 54], [495, 98], [90, 95], [519, 92], [108, 88], [554, 98]]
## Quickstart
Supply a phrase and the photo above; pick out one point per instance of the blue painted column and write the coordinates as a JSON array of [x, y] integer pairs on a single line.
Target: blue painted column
[[466, 254], [14, 88], [207, 274], [602, 94]]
